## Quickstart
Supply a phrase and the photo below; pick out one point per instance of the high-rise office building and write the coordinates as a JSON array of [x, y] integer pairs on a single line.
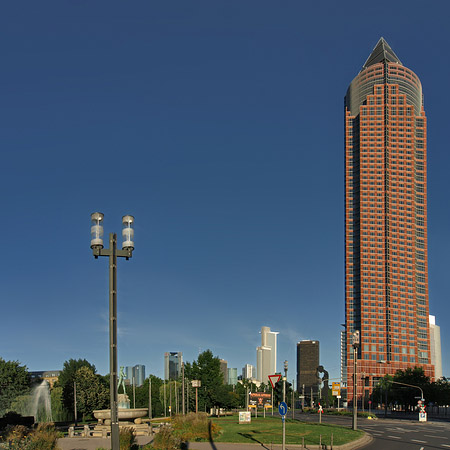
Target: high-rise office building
[[435, 347], [266, 355], [386, 220], [224, 370], [135, 374], [248, 372], [172, 365], [307, 365], [232, 376]]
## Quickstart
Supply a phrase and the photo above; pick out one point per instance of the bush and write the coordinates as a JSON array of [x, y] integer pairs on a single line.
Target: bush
[[166, 440], [127, 439], [194, 427], [44, 437]]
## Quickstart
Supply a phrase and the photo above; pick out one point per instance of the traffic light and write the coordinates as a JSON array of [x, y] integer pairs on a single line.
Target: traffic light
[[278, 392]]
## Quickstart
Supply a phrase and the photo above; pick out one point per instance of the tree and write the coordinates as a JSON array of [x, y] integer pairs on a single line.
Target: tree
[[14, 381], [207, 370], [67, 377], [91, 392]]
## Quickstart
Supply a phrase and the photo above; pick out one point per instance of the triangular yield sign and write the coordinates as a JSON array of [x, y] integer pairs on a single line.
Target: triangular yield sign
[[274, 379]]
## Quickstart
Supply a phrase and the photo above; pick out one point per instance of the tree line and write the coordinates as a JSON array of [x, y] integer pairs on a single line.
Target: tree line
[[92, 389]]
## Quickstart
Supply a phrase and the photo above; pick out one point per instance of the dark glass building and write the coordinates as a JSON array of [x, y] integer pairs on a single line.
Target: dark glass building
[[172, 365], [386, 266], [307, 364]]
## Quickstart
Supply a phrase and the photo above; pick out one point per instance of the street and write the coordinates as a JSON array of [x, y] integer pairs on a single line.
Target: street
[[393, 434]]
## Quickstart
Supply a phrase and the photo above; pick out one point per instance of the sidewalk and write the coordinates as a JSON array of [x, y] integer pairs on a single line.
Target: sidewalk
[[77, 443]]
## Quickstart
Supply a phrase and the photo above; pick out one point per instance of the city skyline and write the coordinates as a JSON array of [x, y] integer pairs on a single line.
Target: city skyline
[[219, 127]]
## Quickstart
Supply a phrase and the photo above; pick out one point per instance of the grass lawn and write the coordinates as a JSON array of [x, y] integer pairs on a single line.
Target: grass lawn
[[269, 430]]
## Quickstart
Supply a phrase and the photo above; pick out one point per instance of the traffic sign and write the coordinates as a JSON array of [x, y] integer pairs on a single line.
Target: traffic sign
[[282, 408], [336, 389], [274, 379]]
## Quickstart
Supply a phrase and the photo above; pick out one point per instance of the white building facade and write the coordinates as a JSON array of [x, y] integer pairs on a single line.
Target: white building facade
[[266, 355]]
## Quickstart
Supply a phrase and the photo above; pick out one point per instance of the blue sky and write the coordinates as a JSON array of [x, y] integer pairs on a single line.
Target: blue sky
[[219, 126]]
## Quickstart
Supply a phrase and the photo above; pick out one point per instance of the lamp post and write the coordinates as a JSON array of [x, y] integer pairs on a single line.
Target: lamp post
[[355, 393], [112, 253]]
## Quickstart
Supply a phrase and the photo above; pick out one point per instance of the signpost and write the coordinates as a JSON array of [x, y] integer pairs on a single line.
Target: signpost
[[320, 413], [274, 379], [282, 409]]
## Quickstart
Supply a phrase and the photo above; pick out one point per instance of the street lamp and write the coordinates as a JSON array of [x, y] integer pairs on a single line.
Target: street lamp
[[112, 253], [355, 396]]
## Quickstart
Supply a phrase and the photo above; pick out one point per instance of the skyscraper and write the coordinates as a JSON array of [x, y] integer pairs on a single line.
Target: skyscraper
[[172, 365], [386, 221], [435, 347], [266, 355], [307, 364]]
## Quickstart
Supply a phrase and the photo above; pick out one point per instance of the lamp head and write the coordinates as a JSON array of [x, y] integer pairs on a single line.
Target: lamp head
[[97, 230], [128, 232]]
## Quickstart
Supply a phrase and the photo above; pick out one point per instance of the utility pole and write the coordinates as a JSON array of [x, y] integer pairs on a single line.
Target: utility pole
[[134, 393], [149, 397], [182, 388], [293, 404], [355, 379], [303, 397], [284, 380], [75, 400], [164, 385]]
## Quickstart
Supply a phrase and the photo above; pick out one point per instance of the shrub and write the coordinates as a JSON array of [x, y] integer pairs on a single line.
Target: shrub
[[44, 437], [15, 432], [194, 427], [127, 439], [166, 440]]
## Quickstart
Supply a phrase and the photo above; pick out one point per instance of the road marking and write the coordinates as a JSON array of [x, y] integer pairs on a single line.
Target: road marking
[[394, 437], [445, 445], [434, 436], [420, 442]]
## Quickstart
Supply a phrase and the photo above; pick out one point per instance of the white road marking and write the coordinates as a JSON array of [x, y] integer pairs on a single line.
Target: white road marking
[[445, 445], [394, 437], [420, 442], [434, 436]]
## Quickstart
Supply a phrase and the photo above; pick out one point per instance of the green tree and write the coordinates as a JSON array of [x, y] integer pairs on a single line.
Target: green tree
[[67, 377], [59, 412], [91, 392], [14, 381], [207, 370], [406, 395]]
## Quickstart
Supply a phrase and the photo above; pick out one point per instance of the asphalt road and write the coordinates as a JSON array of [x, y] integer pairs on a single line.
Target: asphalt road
[[394, 434]]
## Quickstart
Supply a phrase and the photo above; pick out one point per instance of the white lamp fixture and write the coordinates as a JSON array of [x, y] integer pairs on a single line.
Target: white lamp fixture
[[128, 232], [97, 230]]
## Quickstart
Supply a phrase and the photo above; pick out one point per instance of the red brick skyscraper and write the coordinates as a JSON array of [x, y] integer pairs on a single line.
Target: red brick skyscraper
[[385, 221]]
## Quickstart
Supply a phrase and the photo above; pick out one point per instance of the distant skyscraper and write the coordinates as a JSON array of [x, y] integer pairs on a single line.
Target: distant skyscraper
[[224, 370], [386, 220], [266, 355], [232, 377], [435, 345], [137, 373], [172, 365], [307, 364], [248, 371]]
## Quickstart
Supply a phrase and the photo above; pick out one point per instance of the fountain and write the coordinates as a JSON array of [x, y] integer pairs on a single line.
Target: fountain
[[40, 404], [128, 417]]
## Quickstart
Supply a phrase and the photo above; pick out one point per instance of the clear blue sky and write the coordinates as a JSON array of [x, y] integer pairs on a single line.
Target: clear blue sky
[[219, 126]]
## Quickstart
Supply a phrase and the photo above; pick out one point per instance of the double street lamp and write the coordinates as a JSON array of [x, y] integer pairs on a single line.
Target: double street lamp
[[112, 253]]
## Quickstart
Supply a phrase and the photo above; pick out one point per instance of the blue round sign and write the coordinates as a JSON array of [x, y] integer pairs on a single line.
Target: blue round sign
[[282, 408]]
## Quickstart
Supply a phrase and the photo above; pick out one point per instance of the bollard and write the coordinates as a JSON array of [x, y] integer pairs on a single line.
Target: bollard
[[331, 441], [320, 441], [303, 442]]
